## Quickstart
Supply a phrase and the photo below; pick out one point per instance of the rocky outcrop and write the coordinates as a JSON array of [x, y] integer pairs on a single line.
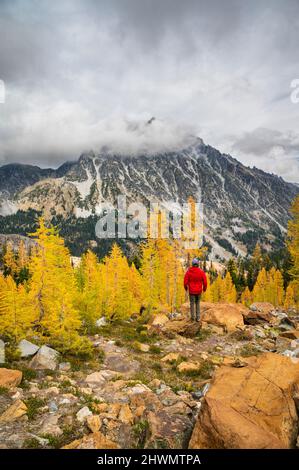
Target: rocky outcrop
[[250, 407], [225, 316], [259, 312], [228, 316]]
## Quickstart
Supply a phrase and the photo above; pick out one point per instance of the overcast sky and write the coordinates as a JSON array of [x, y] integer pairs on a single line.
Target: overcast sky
[[80, 74]]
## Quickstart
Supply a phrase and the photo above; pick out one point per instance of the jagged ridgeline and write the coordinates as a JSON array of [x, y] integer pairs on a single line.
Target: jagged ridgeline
[[242, 206]]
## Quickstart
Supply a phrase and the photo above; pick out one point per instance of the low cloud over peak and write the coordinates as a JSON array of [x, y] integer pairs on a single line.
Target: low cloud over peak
[[85, 74]]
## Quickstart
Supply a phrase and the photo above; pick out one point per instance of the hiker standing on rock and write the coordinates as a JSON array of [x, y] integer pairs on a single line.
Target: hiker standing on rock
[[195, 281]]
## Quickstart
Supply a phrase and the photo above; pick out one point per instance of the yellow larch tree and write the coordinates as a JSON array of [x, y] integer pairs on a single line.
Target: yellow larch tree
[[118, 295], [289, 301], [53, 290], [90, 290], [9, 260], [150, 266], [229, 293], [246, 297], [17, 315], [207, 296], [293, 246], [137, 288], [259, 292]]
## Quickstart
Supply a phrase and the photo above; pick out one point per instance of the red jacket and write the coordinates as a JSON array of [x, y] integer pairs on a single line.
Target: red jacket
[[195, 279]]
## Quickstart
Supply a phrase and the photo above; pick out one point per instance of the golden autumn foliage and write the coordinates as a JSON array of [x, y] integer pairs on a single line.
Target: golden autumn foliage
[[17, 316], [52, 289], [268, 288], [221, 290], [61, 304], [293, 247]]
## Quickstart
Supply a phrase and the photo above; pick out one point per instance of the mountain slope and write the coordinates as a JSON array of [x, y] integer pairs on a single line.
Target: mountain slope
[[241, 205]]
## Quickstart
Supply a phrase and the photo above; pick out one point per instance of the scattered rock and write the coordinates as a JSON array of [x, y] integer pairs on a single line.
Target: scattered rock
[[93, 422], [52, 407], [18, 395], [119, 363], [45, 358], [95, 379], [83, 414], [250, 407], [101, 322], [125, 414], [159, 319], [15, 411], [43, 442], [27, 348], [50, 426], [167, 430], [282, 344], [142, 347], [171, 357], [65, 366], [10, 378], [2, 352], [95, 440], [185, 366]]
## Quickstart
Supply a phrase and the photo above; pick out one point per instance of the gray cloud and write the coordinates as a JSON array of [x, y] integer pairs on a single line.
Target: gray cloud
[[76, 72]]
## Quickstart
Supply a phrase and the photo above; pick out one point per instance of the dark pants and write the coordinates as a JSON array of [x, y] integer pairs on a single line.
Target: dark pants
[[195, 306]]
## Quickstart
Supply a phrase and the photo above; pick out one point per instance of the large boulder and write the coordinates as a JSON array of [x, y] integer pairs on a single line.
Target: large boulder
[[259, 312], [10, 378], [250, 407], [45, 358], [228, 316], [27, 348], [182, 326], [262, 307]]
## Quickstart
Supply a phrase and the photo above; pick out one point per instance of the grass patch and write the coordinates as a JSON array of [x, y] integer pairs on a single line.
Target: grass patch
[[69, 434], [12, 353], [32, 443], [249, 350], [157, 367], [240, 335], [33, 406], [155, 349], [203, 372], [125, 333], [88, 400], [28, 374], [3, 391], [140, 431], [203, 334]]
